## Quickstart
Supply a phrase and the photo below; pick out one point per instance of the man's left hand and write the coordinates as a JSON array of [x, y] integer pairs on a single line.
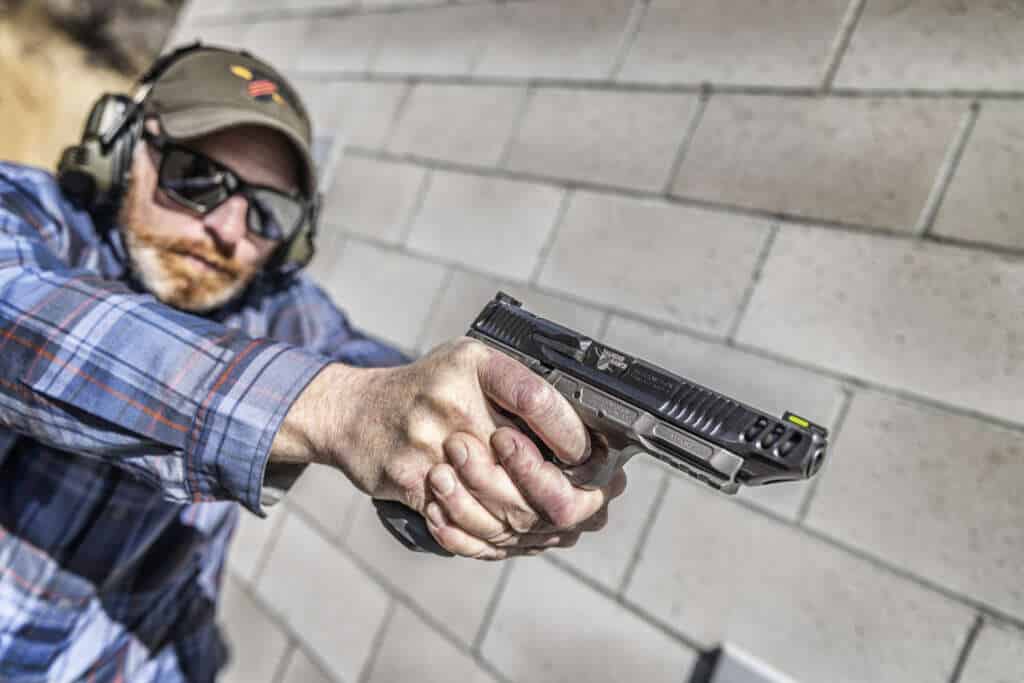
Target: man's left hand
[[529, 503]]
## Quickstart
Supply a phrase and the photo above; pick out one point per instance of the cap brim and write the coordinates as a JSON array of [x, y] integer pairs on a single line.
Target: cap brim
[[194, 122]]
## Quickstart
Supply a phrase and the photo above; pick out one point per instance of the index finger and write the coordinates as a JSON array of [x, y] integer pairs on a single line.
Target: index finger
[[519, 390], [543, 485]]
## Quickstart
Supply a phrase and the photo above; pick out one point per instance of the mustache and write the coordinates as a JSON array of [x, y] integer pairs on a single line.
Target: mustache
[[198, 250], [216, 261]]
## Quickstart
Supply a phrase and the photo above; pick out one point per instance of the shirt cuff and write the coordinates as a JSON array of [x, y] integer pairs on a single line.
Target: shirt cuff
[[228, 445]]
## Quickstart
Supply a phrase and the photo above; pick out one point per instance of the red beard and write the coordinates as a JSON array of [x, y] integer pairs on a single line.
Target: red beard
[[164, 266]]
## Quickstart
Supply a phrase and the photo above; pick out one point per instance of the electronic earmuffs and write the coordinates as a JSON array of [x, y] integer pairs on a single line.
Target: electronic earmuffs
[[95, 174]]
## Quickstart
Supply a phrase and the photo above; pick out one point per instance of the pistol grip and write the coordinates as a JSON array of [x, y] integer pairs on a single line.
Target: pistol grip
[[409, 527]]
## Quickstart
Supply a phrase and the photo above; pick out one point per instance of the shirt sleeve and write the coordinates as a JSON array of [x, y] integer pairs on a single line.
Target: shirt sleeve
[[91, 367]]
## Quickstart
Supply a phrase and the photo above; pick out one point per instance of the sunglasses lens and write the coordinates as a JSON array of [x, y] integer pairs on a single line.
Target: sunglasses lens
[[272, 215], [192, 179], [200, 184]]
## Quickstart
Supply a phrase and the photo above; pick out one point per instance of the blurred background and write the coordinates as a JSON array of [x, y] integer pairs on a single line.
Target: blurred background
[[812, 205], [58, 56]]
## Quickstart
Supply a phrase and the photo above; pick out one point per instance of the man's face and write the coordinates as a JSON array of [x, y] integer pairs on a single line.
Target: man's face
[[200, 262]]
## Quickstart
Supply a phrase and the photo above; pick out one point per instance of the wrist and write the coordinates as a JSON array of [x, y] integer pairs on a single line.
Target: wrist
[[311, 429]]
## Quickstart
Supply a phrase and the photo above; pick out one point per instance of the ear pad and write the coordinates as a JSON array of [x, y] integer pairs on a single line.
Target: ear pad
[[122, 151]]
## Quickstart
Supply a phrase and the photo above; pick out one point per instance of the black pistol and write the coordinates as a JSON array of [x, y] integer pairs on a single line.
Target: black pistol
[[638, 407]]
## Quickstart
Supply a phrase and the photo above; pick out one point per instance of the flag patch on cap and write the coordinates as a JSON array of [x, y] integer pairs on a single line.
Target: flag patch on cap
[[259, 88]]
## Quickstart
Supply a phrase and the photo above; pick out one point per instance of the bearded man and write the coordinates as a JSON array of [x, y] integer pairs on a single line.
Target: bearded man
[[164, 361]]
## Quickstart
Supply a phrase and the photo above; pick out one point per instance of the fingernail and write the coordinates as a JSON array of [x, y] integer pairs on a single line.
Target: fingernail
[[434, 514], [442, 481], [458, 452], [505, 444]]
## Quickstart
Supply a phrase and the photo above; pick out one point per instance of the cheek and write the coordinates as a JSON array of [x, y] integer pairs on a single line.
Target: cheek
[[256, 252], [152, 214]]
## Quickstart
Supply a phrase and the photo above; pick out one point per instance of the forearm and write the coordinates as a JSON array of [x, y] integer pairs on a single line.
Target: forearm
[[89, 367]]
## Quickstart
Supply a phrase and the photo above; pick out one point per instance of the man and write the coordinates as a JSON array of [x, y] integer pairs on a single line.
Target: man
[[161, 358]]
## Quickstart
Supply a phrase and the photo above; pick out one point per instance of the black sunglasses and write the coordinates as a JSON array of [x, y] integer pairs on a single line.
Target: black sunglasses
[[201, 184]]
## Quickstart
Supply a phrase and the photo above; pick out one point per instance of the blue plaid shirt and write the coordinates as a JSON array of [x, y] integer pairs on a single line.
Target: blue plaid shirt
[[129, 434]]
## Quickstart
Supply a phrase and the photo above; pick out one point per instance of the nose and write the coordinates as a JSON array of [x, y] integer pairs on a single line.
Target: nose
[[226, 224]]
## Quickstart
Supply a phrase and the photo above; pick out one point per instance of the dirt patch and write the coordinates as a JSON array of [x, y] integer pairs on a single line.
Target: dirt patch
[[48, 87]]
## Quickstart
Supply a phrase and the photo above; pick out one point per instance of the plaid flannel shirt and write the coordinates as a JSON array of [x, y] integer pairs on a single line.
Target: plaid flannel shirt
[[129, 434]]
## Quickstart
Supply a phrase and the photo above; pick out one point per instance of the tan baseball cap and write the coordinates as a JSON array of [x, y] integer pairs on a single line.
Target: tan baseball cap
[[211, 88]]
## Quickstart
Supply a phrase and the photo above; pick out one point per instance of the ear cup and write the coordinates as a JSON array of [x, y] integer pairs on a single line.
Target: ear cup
[[76, 180], [294, 254], [92, 173]]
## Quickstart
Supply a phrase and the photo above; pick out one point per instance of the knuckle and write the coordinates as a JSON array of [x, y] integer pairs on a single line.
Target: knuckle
[[533, 397], [562, 511], [466, 351], [407, 478], [403, 473], [452, 409], [459, 412], [459, 450], [455, 441], [420, 419], [523, 467]]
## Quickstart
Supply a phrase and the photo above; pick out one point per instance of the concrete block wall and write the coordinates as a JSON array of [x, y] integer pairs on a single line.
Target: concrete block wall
[[813, 205]]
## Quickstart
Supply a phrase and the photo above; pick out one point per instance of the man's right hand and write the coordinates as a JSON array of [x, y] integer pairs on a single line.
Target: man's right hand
[[387, 428]]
